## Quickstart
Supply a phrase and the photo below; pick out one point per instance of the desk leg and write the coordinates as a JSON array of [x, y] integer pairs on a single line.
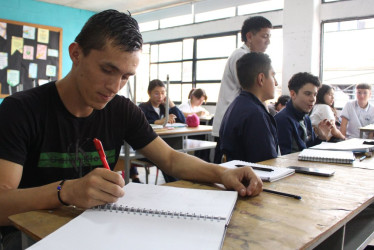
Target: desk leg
[[26, 241], [127, 163]]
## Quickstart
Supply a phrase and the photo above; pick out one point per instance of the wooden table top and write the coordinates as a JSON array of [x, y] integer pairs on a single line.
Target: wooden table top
[[267, 221]]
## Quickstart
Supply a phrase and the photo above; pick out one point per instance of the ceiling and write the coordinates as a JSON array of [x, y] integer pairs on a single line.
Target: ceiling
[[134, 6]]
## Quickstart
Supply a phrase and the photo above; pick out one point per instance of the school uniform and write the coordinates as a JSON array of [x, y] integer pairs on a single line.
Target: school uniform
[[248, 132]]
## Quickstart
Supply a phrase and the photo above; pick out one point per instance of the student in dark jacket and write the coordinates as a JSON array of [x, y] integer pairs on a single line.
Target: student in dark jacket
[[154, 109], [295, 131], [248, 132]]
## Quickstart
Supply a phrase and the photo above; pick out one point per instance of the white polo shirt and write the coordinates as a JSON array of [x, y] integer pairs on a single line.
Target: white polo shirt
[[357, 117], [230, 87]]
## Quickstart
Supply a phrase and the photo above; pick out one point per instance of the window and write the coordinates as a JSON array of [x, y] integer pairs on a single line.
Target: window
[[163, 59], [176, 21], [216, 14], [147, 26], [275, 51], [259, 7], [347, 57], [211, 57]]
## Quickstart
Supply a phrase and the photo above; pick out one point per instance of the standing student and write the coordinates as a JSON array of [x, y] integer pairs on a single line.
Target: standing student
[[295, 131], [248, 131], [255, 34], [47, 157], [154, 109], [279, 105], [196, 98], [358, 113], [324, 109]]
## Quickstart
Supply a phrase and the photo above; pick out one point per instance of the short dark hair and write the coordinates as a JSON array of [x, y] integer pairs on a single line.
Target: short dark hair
[[283, 99], [254, 25], [250, 65], [298, 80], [118, 28], [155, 83], [198, 93], [320, 99], [363, 86]]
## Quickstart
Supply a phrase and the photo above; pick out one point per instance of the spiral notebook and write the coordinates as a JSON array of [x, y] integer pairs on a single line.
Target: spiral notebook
[[265, 172], [328, 156], [150, 217]]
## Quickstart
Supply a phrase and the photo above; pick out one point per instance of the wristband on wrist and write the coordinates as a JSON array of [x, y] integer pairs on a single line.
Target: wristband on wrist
[[59, 187]]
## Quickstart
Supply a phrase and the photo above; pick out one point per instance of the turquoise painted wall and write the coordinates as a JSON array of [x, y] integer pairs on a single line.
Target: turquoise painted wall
[[31, 11]]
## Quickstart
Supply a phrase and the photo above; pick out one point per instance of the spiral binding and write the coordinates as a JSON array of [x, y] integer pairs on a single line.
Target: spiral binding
[[112, 207]]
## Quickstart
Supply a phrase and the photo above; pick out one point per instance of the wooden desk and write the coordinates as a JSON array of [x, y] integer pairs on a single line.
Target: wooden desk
[[177, 138], [331, 208], [368, 128]]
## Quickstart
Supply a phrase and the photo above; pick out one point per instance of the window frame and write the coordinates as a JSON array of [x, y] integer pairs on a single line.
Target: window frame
[[371, 100]]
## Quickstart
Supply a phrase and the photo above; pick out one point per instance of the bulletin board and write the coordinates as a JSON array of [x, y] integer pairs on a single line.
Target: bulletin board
[[30, 55]]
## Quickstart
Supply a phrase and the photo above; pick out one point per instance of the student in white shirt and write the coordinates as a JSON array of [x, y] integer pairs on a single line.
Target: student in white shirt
[[255, 34], [196, 98], [358, 113], [324, 109]]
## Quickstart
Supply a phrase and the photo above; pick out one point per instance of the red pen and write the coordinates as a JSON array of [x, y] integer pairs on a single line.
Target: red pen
[[100, 150]]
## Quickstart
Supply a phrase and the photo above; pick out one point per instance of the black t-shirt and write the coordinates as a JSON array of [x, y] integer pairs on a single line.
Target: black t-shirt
[[51, 144]]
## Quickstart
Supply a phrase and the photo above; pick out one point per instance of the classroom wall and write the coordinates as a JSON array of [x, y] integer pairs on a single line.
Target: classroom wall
[[71, 20]]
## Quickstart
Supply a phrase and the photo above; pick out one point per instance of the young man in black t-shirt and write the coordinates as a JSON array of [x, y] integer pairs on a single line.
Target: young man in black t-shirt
[[46, 133]]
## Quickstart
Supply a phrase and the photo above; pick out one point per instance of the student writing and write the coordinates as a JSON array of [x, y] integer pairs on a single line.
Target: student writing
[[46, 140], [196, 98], [154, 109]]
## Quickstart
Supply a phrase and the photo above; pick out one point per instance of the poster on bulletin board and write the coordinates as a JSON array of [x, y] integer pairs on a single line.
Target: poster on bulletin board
[[30, 55]]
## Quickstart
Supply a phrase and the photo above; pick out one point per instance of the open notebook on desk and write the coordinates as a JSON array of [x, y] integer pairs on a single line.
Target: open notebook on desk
[[265, 172], [355, 145], [150, 217]]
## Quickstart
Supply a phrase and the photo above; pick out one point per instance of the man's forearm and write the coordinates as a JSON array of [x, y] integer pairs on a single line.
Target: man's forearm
[[189, 167], [16, 201]]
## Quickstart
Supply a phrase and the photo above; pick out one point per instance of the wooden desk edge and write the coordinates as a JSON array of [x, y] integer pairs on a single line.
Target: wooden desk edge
[[55, 218]]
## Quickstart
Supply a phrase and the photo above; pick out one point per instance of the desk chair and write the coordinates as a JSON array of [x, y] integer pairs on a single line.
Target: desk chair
[[147, 165]]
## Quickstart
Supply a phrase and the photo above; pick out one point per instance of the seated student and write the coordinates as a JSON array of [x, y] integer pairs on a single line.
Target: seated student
[[248, 132], [279, 105], [295, 131], [324, 109], [196, 98], [48, 128], [358, 113], [154, 109]]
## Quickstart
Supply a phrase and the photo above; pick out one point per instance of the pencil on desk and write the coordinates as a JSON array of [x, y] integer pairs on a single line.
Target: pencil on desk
[[281, 193]]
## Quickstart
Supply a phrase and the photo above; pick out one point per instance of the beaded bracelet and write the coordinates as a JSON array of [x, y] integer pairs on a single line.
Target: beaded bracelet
[[59, 187]]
